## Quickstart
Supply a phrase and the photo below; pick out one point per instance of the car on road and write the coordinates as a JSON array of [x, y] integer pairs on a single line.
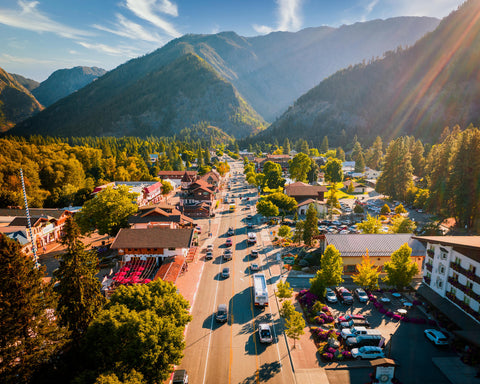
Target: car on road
[[254, 253], [227, 254], [265, 333], [230, 232], [228, 242], [222, 313], [180, 376], [209, 255], [249, 217], [367, 352], [330, 296], [436, 337], [250, 225], [344, 295], [254, 267], [226, 272], [361, 295], [209, 247]]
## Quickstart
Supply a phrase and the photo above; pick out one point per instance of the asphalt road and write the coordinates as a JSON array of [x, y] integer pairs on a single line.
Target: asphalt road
[[231, 352]]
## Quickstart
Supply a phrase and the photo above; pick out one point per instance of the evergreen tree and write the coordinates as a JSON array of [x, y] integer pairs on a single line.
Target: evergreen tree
[[385, 210], [375, 154], [324, 145], [298, 234], [29, 332], [310, 227], [356, 151], [80, 298], [199, 157], [340, 155], [286, 146], [367, 274], [418, 161], [312, 175], [360, 164], [400, 269], [396, 177]]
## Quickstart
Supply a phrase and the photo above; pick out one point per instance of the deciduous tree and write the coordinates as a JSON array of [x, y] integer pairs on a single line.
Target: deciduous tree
[[330, 273], [294, 326], [367, 274], [401, 268], [267, 208], [403, 225], [299, 167], [283, 290], [333, 171], [370, 225]]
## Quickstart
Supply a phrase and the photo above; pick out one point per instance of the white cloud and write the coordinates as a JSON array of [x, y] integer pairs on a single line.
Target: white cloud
[[31, 18], [5, 58], [131, 30], [288, 17], [437, 8], [148, 10], [109, 50]]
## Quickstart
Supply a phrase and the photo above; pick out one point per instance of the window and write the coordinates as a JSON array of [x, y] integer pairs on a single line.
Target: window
[[469, 284], [441, 269], [453, 291], [351, 268], [171, 249], [439, 283], [457, 260], [472, 268], [466, 299], [443, 256]]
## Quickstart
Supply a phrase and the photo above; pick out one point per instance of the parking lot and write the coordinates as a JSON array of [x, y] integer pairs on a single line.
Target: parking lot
[[405, 343]]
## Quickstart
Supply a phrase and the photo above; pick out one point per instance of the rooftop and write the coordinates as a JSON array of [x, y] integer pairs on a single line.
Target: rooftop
[[153, 238]]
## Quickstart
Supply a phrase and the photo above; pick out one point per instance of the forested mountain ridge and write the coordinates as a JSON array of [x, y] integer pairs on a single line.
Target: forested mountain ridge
[[417, 91], [63, 82], [143, 97], [16, 102], [27, 83]]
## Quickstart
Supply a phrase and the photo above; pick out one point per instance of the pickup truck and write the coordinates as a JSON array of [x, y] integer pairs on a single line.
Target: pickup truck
[[357, 331], [354, 322]]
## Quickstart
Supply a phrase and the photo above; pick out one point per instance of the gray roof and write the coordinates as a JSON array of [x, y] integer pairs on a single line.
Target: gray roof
[[153, 238], [377, 245], [38, 212]]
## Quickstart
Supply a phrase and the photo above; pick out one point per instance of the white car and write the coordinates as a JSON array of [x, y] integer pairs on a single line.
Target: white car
[[436, 337], [254, 267], [265, 333], [367, 352], [209, 247], [361, 295], [330, 296]]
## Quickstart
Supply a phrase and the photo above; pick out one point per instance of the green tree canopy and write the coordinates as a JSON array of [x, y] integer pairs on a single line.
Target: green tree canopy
[[403, 225], [294, 326], [282, 201], [298, 235], [401, 268], [333, 171], [30, 334], [283, 290], [80, 298], [273, 175], [370, 225], [367, 274], [267, 208], [330, 273], [285, 232], [310, 227], [399, 209], [385, 210], [108, 211], [299, 167], [166, 187]]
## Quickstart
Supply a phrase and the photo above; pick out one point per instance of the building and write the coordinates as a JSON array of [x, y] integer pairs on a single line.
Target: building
[[348, 167], [198, 199], [451, 280], [302, 207], [47, 225], [380, 247], [182, 178], [282, 160], [301, 192], [157, 243], [212, 178], [357, 187], [160, 215], [149, 192]]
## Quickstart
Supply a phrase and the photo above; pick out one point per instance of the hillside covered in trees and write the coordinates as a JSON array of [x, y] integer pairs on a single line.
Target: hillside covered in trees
[[416, 91]]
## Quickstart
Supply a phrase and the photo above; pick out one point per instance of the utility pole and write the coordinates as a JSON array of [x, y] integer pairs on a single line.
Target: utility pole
[[34, 248]]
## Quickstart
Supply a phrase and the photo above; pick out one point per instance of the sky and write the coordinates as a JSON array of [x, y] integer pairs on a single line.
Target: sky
[[39, 37]]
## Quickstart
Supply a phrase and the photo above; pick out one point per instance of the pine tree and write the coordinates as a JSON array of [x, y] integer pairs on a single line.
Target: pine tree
[[310, 227], [330, 273], [29, 332], [286, 146], [79, 289], [324, 145], [367, 274]]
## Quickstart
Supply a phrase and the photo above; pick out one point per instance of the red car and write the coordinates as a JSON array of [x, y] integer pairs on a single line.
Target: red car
[[228, 243], [350, 317]]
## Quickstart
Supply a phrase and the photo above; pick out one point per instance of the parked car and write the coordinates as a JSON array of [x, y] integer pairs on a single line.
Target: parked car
[[330, 296], [222, 313], [344, 295], [227, 254], [254, 267], [230, 232], [254, 253], [350, 317], [226, 272], [265, 333], [354, 322], [209, 247], [228, 242], [436, 337], [249, 217], [180, 377], [361, 295], [209, 255], [362, 340], [357, 331], [367, 352]]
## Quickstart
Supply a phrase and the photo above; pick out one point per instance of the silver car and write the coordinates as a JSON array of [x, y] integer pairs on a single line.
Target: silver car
[[330, 296]]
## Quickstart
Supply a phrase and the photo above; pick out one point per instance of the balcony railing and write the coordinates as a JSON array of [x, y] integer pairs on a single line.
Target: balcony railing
[[471, 275], [464, 306], [430, 253], [429, 267], [466, 290]]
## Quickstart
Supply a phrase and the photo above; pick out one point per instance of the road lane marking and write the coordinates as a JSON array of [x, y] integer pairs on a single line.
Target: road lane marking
[[257, 372]]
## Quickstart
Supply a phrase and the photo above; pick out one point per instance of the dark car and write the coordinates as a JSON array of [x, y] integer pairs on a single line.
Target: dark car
[[222, 313], [180, 377], [230, 232], [344, 295]]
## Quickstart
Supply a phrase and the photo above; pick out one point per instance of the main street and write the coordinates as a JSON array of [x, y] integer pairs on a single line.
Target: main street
[[231, 352]]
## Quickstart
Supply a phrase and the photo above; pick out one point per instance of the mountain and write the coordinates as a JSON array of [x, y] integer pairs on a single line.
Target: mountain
[[272, 71], [416, 91], [142, 98], [16, 102], [63, 82], [27, 83]]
